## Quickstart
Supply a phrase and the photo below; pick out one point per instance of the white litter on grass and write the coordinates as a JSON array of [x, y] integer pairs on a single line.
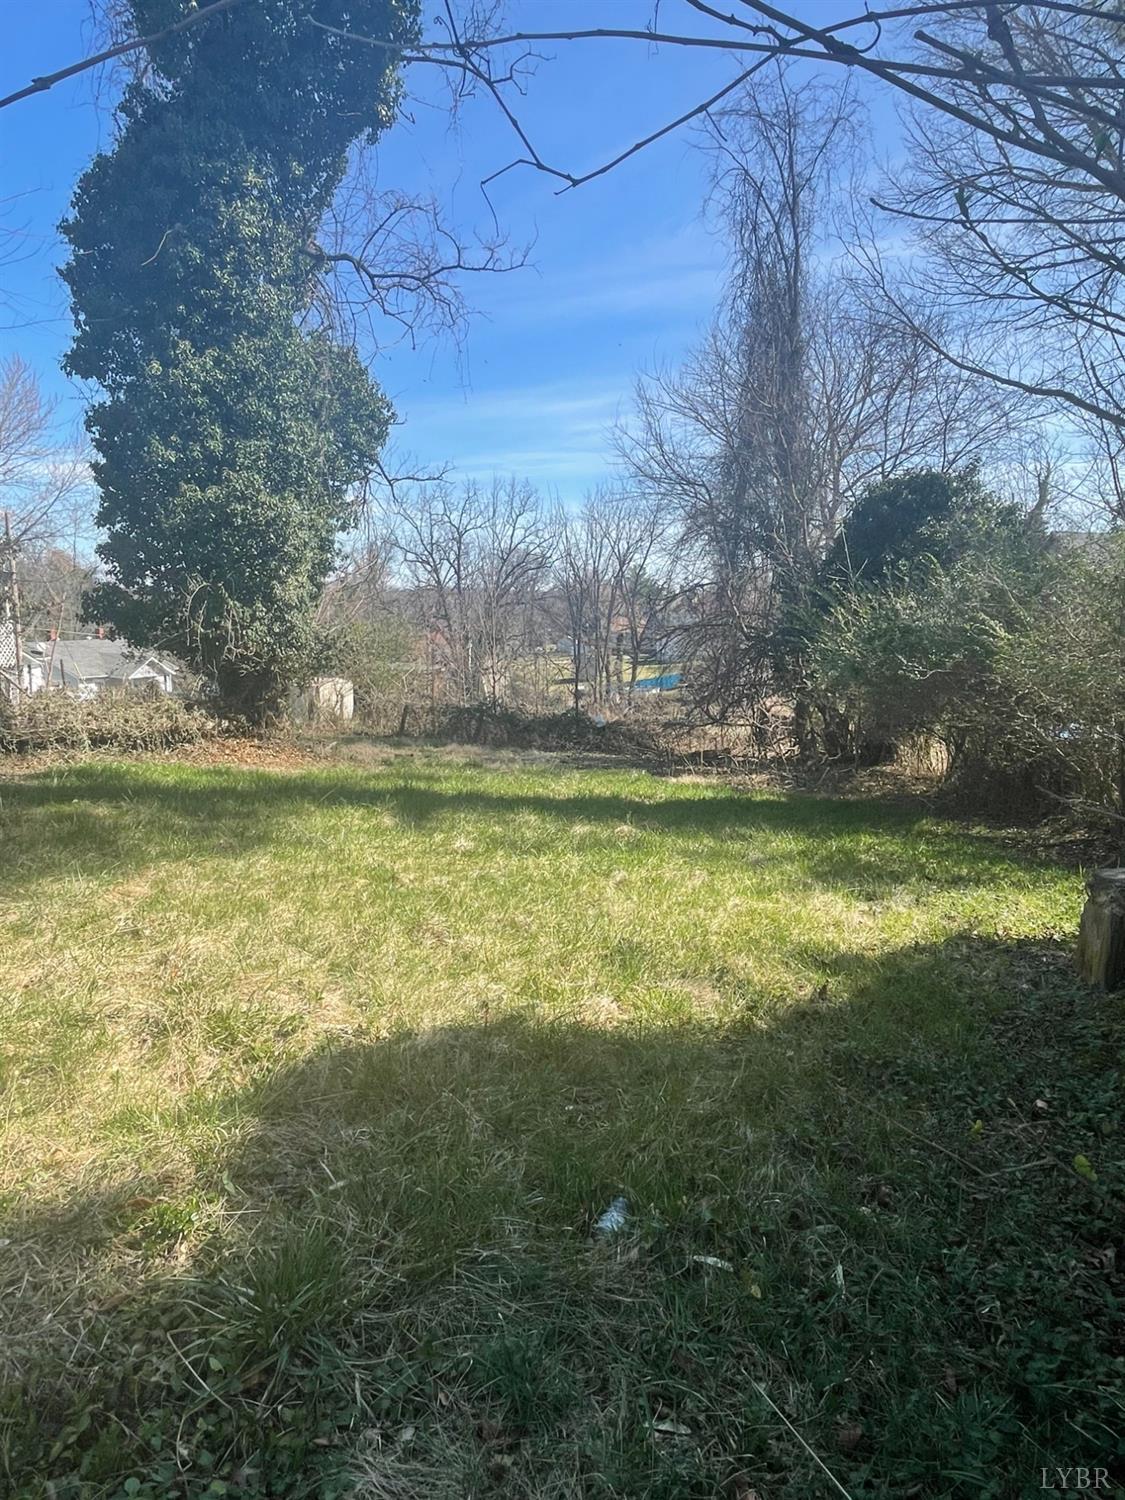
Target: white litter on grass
[[614, 1219], [713, 1262], [665, 1427]]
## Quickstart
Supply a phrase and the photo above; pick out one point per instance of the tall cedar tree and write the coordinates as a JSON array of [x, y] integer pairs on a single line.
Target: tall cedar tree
[[233, 429]]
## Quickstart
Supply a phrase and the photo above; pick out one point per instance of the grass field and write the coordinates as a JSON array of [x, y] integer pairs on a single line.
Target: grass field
[[315, 1079]]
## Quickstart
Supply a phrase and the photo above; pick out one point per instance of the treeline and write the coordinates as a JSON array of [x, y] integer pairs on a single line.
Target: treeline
[[830, 516], [487, 593], [880, 501]]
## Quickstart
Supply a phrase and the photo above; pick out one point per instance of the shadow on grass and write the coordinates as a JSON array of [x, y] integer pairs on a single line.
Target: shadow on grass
[[402, 1275], [87, 820]]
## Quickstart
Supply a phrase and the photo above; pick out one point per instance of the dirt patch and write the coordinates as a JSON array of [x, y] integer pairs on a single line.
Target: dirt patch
[[250, 754]]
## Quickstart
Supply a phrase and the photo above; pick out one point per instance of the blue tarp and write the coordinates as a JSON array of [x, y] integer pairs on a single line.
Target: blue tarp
[[659, 684]]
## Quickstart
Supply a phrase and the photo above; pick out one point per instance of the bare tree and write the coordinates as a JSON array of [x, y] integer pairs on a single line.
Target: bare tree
[[1033, 245], [45, 494], [39, 479], [390, 264], [610, 580], [806, 390], [1024, 253], [511, 568], [583, 579], [635, 527], [475, 557]]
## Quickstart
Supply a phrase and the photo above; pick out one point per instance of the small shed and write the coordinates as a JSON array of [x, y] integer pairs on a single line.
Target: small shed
[[323, 698]]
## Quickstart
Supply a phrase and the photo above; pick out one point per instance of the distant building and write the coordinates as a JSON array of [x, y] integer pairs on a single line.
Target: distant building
[[94, 665]]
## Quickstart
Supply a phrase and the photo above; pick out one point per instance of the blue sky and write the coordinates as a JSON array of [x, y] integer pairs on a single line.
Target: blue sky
[[623, 273]]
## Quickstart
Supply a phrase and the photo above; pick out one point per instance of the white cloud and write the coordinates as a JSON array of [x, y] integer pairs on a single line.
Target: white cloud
[[571, 402], [551, 432], [544, 466], [556, 429], [678, 273]]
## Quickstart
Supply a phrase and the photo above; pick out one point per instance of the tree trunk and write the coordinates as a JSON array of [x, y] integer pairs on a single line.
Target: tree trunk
[[1101, 935]]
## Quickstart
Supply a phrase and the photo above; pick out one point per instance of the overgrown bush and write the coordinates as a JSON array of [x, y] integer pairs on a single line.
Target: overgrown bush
[[905, 656], [885, 639], [914, 520], [117, 721], [1055, 706], [1019, 670], [376, 656]]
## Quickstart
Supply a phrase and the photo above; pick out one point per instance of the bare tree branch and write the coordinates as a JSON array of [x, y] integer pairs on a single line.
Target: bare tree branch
[[119, 49]]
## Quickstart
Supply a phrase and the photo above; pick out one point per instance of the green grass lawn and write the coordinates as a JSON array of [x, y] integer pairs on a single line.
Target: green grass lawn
[[315, 1080]]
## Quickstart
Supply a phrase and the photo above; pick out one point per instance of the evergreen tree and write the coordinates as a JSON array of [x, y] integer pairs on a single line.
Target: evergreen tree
[[904, 525], [233, 429]]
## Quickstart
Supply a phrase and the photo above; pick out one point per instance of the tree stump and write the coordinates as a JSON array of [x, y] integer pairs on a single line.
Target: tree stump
[[1101, 934]]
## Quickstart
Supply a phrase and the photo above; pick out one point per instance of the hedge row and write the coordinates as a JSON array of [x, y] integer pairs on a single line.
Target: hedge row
[[117, 721]]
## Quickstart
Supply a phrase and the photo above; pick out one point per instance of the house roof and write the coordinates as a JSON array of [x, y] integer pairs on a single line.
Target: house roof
[[95, 660]]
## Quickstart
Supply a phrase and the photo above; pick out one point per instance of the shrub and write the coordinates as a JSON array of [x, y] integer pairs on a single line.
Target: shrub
[[488, 724], [376, 656], [1054, 710], [1019, 671], [914, 520], [118, 721]]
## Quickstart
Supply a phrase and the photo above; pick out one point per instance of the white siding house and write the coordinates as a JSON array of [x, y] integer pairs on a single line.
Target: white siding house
[[84, 668]]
